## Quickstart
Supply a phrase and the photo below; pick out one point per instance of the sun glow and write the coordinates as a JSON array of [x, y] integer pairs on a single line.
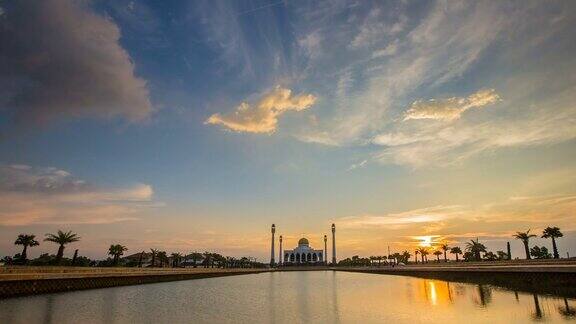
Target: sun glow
[[426, 241]]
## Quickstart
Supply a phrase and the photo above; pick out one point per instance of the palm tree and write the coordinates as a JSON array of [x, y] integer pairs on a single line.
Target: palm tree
[[437, 253], [553, 233], [475, 248], [175, 259], [423, 253], [195, 256], [405, 257], [416, 256], [154, 252], [525, 238], [445, 248], [116, 250], [61, 238], [26, 240], [456, 250], [163, 257]]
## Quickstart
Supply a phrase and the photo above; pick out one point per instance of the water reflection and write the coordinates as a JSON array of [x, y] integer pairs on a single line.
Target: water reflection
[[292, 297], [566, 310]]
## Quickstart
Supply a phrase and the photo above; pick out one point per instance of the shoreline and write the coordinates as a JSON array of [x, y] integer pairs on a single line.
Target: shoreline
[[554, 279]]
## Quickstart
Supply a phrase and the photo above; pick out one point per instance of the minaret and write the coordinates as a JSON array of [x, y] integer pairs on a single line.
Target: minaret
[[325, 249], [272, 250], [333, 244], [280, 252]]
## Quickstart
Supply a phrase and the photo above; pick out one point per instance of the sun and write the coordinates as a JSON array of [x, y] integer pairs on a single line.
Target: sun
[[426, 240]]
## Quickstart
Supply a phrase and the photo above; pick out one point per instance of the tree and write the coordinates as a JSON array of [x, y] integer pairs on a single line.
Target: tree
[[490, 256], [154, 252], [61, 238], [195, 256], [75, 257], [405, 256], [423, 253], [502, 255], [26, 240], [475, 248], [456, 250], [116, 250], [525, 238], [540, 252], [445, 248], [437, 253], [176, 259], [162, 257], [553, 233], [416, 256]]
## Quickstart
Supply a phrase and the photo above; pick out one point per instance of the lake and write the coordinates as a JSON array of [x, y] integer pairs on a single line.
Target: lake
[[292, 297]]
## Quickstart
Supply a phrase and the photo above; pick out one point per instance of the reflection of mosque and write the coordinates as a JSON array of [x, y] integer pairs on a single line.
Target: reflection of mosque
[[303, 253]]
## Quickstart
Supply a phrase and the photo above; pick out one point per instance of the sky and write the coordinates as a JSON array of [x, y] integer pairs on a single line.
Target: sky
[[194, 125]]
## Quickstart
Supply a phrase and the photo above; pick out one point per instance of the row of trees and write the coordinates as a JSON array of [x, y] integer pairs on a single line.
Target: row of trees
[[116, 251], [61, 238], [473, 251]]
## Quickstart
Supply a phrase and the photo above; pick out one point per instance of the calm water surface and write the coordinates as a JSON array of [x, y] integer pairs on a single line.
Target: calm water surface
[[292, 297]]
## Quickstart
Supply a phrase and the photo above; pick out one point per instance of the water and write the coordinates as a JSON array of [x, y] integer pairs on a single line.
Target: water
[[291, 297]]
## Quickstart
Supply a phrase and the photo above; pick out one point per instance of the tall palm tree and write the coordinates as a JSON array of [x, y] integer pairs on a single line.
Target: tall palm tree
[[423, 253], [553, 233], [116, 250], [61, 238], [163, 257], [445, 248], [405, 257], [176, 259], [456, 250], [475, 248], [437, 253], [525, 238], [416, 256], [26, 240]]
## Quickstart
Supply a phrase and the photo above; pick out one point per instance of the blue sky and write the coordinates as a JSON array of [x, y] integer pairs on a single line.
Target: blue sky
[[194, 125]]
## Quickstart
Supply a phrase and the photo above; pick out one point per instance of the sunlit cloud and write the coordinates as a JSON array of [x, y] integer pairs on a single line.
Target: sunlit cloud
[[451, 108], [262, 117], [31, 195], [396, 220]]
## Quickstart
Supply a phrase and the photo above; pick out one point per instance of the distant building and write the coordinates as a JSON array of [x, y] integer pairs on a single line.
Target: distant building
[[303, 254]]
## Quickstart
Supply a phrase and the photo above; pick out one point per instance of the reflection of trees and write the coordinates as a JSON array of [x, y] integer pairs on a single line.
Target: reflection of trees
[[537, 310], [485, 294], [516, 295], [567, 311]]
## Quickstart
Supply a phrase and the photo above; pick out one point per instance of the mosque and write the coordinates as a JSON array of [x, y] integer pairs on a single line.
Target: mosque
[[303, 253]]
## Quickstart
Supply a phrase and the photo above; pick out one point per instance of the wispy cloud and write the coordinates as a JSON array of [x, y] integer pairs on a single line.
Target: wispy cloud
[[33, 195], [262, 117], [374, 75], [450, 108]]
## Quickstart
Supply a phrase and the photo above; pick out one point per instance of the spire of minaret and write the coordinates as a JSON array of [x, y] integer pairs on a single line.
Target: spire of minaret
[[333, 244], [280, 252], [272, 250]]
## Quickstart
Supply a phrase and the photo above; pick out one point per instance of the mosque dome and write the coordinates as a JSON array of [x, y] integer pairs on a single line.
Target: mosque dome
[[303, 241]]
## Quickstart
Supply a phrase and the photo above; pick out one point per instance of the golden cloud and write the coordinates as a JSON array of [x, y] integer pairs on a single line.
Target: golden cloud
[[451, 108], [263, 116]]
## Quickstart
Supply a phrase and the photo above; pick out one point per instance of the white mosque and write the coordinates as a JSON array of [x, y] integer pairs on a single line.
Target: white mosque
[[303, 253]]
